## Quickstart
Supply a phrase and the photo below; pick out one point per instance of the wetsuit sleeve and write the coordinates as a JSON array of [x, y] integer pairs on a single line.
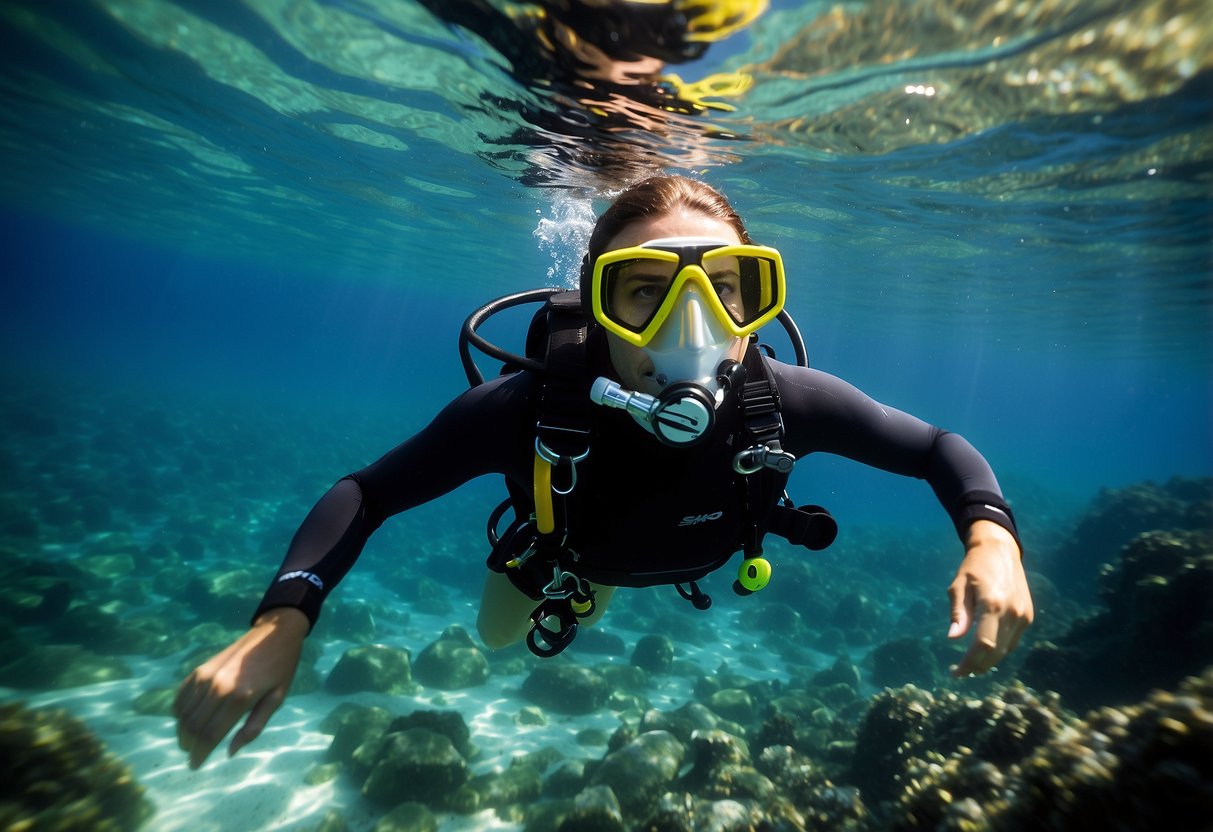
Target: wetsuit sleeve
[[824, 413], [473, 435]]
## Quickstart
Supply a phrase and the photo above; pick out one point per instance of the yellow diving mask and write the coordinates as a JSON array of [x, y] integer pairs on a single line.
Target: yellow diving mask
[[686, 302], [635, 290]]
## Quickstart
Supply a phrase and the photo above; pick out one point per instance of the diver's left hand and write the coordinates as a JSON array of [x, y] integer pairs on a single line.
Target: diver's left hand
[[991, 591]]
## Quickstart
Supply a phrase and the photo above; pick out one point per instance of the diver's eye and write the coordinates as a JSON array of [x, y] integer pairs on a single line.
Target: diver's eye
[[647, 292], [726, 284]]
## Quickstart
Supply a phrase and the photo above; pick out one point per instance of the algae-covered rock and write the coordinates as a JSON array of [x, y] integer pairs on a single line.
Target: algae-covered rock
[[1143, 766], [449, 724], [520, 783], [1118, 515], [376, 667], [566, 779], [1146, 766], [595, 809], [408, 817], [721, 768], [353, 725], [156, 702], [415, 765], [57, 775], [566, 689], [1155, 628], [681, 722], [531, 715], [639, 772], [904, 661], [348, 620], [453, 662], [61, 666], [654, 653], [229, 597], [37, 598]]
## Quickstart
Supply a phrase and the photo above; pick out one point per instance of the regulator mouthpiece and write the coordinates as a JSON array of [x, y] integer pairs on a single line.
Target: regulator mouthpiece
[[681, 417]]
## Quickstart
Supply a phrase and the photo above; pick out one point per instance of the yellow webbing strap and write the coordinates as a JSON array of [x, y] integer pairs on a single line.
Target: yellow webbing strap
[[545, 514]]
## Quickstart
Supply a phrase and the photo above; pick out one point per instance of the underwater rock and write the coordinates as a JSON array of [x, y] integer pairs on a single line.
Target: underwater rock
[[1147, 766], [773, 617], [777, 729], [61, 666], [415, 765], [322, 773], [156, 702], [331, 822], [453, 662], [907, 732], [641, 771], [904, 661], [732, 704], [353, 725], [18, 523], [721, 769], [566, 779], [681, 722], [376, 667], [408, 817], [229, 598], [821, 804], [857, 612], [842, 671], [348, 620], [593, 736], [1116, 516], [1156, 626], [625, 678], [58, 776], [108, 633], [595, 809], [654, 653], [449, 724], [566, 689], [531, 715], [35, 598], [521, 782]]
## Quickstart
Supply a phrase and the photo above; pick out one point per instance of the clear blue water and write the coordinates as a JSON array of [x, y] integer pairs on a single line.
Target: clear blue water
[[287, 209]]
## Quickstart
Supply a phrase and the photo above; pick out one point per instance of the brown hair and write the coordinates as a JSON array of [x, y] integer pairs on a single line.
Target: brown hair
[[653, 197], [659, 195]]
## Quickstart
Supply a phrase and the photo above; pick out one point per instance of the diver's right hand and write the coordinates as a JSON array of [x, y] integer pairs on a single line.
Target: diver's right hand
[[251, 676]]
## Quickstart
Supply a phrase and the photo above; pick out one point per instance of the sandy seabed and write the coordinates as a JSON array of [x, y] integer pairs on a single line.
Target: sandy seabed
[[263, 787]]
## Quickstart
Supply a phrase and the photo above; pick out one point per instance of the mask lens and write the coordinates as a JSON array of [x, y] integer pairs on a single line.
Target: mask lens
[[632, 290], [746, 284]]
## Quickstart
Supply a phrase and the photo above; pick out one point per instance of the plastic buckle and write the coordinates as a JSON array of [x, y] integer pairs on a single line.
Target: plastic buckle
[[546, 642]]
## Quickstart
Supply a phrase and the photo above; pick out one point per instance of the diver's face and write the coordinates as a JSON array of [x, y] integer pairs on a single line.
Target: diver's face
[[633, 366]]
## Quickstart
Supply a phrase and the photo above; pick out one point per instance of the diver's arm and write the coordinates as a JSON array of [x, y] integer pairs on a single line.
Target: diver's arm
[[823, 413], [990, 591], [470, 437]]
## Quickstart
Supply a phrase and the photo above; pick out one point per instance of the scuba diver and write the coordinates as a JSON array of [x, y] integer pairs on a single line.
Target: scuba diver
[[646, 438]]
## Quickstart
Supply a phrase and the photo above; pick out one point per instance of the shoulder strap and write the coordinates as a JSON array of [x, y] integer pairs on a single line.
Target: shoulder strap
[[759, 399], [563, 423]]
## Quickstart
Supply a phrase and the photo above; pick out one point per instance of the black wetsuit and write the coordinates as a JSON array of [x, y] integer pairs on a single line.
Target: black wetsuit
[[640, 508]]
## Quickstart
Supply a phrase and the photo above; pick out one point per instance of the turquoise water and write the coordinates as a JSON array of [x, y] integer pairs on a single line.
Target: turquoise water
[[240, 238]]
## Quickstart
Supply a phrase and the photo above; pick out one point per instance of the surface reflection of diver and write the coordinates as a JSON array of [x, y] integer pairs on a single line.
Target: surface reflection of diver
[[689, 304], [600, 65]]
